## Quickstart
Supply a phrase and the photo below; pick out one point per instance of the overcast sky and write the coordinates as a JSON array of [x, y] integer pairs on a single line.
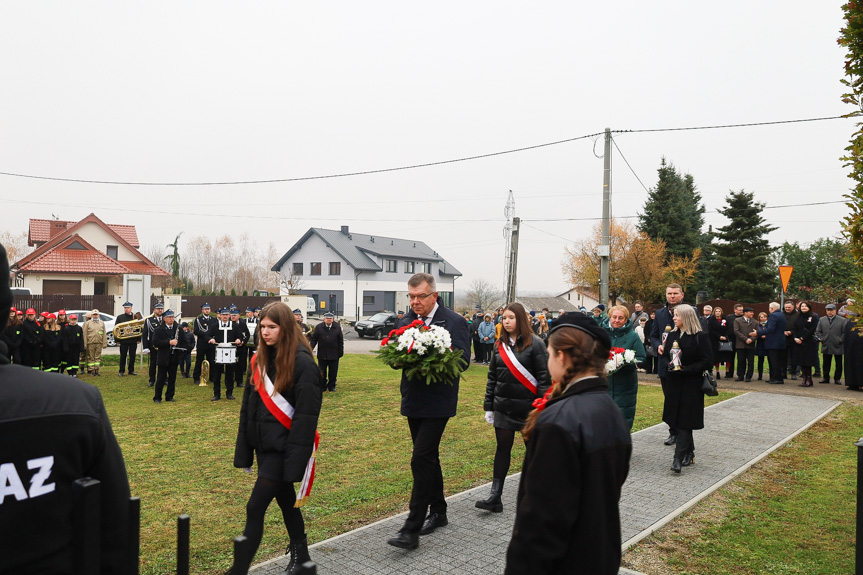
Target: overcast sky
[[228, 91]]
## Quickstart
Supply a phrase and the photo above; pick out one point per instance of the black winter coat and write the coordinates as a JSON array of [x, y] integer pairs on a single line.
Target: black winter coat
[[162, 337], [567, 518], [31, 331], [12, 336], [804, 328], [55, 430], [330, 341], [52, 349], [260, 431], [73, 344], [510, 400], [684, 400], [853, 355]]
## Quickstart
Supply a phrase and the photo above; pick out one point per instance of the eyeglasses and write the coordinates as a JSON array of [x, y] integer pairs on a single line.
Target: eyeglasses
[[418, 297]]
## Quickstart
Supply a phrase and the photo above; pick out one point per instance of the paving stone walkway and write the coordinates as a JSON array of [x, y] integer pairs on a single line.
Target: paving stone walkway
[[738, 432]]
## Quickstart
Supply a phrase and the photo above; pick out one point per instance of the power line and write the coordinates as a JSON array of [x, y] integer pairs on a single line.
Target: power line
[[409, 167], [613, 141]]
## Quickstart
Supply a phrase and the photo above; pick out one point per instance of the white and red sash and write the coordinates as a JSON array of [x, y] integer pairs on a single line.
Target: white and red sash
[[282, 410], [517, 369]]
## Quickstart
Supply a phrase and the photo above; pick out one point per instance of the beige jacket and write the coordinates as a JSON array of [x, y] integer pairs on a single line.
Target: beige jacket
[[94, 332]]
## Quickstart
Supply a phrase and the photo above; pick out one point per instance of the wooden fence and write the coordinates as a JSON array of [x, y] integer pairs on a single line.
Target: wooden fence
[[52, 303]]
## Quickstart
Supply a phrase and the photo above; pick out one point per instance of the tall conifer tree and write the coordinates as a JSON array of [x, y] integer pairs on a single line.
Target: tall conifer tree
[[741, 268]]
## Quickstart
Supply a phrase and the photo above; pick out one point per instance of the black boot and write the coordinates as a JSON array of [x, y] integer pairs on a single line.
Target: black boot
[[688, 459], [675, 464], [492, 502], [299, 555]]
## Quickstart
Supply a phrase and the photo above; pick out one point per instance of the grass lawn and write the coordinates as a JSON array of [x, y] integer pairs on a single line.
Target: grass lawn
[[179, 458], [793, 513]]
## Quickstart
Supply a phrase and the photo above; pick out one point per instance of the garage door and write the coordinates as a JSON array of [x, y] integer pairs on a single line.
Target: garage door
[[54, 287]]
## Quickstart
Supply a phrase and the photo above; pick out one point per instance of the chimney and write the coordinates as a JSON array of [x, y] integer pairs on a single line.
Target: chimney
[[345, 231], [57, 227]]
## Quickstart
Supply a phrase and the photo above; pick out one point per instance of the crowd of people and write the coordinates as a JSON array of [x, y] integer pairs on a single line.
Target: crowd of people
[[546, 378]]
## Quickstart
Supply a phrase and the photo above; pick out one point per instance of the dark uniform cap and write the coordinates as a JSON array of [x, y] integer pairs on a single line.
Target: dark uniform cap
[[235, 311], [203, 305], [257, 309], [249, 309], [298, 311], [830, 306], [184, 324], [159, 305], [329, 314], [127, 304], [586, 324], [168, 313], [746, 309], [223, 310]]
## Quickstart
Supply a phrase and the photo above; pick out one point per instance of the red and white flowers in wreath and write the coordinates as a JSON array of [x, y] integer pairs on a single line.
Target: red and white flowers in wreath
[[617, 358], [422, 351]]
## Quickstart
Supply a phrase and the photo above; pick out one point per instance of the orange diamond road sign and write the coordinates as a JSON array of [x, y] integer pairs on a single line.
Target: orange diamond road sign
[[785, 275]]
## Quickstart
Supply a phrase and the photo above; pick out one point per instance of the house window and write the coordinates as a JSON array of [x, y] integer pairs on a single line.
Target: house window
[[335, 268], [298, 269], [76, 245], [426, 268], [368, 300], [409, 267], [392, 265], [316, 268], [112, 252]]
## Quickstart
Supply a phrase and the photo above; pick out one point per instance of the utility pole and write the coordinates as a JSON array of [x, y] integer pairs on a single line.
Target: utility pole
[[513, 263], [508, 212], [605, 244]]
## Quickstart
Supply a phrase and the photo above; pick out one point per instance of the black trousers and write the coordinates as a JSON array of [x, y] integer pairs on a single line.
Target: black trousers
[[837, 375], [128, 348], [790, 361], [329, 372], [216, 370], [685, 444], [167, 374], [478, 350], [671, 430], [240, 368], [208, 353], [427, 493], [776, 357], [31, 355], [151, 366], [745, 363]]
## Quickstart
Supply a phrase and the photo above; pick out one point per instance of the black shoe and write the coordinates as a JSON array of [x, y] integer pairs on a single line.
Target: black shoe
[[240, 385], [492, 502], [405, 540], [151, 383], [687, 460], [229, 397], [676, 465], [122, 374], [748, 379], [838, 382], [775, 381], [133, 373], [197, 382], [760, 376], [333, 389], [157, 401], [215, 398], [718, 377], [738, 379], [824, 381], [433, 521], [172, 399], [671, 440]]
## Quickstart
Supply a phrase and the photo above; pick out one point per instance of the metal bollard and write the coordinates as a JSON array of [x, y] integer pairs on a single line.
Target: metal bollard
[[86, 526], [134, 536], [858, 560], [183, 545]]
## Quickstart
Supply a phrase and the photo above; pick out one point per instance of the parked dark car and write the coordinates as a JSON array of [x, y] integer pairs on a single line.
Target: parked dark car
[[377, 325]]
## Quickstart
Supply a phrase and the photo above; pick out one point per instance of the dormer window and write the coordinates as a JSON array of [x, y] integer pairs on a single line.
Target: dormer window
[[112, 252]]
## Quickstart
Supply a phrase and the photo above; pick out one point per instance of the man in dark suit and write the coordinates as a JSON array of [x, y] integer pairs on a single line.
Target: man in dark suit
[[227, 332], [128, 347], [204, 329], [150, 325], [664, 318], [428, 408], [170, 351], [330, 341], [774, 342]]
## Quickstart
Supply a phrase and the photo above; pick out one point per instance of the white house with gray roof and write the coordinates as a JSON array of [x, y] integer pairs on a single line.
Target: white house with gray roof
[[355, 275]]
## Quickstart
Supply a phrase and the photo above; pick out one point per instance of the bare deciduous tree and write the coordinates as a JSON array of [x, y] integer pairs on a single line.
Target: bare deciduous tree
[[484, 294]]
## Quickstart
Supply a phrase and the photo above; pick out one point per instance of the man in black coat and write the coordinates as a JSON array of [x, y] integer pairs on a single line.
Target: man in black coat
[[128, 347], [204, 329], [227, 332], [428, 408], [150, 325], [169, 342], [242, 350], [790, 363], [665, 318], [478, 346], [330, 341], [774, 342], [55, 430]]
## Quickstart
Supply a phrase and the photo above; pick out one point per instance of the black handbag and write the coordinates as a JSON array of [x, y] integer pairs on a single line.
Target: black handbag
[[708, 384], [725, 346]]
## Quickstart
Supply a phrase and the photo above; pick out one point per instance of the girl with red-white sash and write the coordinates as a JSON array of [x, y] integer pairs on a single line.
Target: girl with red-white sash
[[517, 376], [278, 426]]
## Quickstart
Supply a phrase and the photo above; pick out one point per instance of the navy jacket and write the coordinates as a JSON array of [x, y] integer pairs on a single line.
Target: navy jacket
[[663, 318], [774, 331], [438, 399]]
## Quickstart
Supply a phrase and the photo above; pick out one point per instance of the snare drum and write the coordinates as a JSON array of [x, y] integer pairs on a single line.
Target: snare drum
[[226, 353]]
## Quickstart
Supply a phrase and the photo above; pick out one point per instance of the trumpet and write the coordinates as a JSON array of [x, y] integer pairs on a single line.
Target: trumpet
[[130, 329]]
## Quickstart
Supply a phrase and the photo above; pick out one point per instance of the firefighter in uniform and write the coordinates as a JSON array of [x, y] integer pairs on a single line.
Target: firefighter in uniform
[[128, 347], [31, 348], [170, 351], [95, 340], [204, 329], [242, 350], [150, 325], [226, 332], [55, 431]]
